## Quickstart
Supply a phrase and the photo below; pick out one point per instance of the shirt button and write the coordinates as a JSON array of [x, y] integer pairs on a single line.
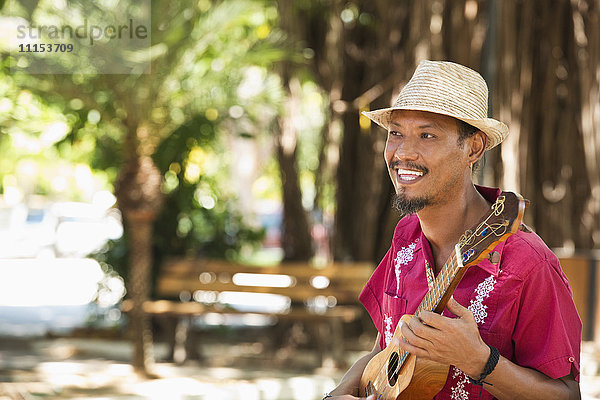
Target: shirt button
[[571, 359], [494, 257]]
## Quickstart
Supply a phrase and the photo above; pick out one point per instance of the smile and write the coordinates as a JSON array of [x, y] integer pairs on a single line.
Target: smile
[[408, 175]]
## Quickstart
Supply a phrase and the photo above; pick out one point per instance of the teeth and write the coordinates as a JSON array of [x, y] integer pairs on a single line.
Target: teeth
[[409, 172]]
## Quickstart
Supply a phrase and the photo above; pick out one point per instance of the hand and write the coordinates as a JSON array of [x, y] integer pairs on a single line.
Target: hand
[[449, 341]]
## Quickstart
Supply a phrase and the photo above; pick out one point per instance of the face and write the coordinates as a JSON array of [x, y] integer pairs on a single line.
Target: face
[[425, 162]]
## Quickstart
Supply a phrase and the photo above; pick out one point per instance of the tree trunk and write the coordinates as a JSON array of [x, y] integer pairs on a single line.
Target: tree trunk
[[547, 92], [296, 238], [140, 199], [586, 56], [540, 64], [378, 61], [139, 233]]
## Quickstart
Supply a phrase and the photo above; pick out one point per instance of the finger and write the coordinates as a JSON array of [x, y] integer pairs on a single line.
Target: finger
[[433, 320], [407, 346], [457, 309], [415, 333], [411, 342]]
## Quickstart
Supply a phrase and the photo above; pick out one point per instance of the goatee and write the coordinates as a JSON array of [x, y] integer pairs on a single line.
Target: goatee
[[406, 206]]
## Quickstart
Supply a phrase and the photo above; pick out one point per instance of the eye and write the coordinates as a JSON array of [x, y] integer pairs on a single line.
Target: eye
[[395, 133], [425, 135]]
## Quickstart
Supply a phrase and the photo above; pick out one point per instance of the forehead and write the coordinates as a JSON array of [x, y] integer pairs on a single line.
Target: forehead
[[421, 119]]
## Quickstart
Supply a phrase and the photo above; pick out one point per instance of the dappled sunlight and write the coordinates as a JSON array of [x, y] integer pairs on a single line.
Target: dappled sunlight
[[263, 302], [171, 388], [265, 280], [98, 377], [225, 384]]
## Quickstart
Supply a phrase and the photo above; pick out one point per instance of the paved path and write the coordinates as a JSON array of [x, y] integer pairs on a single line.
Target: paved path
[[98, 370]]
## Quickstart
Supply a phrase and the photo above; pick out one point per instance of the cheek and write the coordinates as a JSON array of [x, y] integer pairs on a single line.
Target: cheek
[[443, 164], [388, 153], [451, 166]]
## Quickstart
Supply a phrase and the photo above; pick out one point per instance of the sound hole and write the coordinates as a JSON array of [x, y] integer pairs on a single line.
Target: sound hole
[[393, 368]]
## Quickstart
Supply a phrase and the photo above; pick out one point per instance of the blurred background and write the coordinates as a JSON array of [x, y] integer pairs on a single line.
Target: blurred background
[[194, 217]]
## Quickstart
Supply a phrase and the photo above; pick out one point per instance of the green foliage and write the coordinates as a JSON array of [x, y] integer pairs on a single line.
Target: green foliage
[[212, 80], [200, 217], [39, 151]]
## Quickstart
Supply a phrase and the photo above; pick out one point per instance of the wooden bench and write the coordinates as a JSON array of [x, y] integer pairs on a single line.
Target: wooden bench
[[322, 299]]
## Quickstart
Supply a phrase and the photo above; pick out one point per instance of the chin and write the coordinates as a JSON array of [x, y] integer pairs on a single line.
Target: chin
[[409, 205]]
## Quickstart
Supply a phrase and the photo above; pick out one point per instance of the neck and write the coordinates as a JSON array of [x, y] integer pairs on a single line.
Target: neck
[[445, 221]]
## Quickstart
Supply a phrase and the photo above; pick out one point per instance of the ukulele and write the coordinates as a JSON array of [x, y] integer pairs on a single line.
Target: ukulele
[[395, 374]]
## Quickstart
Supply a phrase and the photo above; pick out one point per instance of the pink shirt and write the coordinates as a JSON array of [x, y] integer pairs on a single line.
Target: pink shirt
[[523, 305]]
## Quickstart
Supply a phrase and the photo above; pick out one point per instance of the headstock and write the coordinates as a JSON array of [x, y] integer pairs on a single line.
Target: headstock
[[503, 220]]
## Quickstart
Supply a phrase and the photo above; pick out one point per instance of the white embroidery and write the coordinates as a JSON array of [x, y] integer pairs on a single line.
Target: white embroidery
[[458, 391], [482, 292], [479, 311], [403, 257], [388, 329]]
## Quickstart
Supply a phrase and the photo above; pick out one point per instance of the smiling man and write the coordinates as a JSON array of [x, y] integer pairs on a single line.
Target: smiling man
[[511, 330]]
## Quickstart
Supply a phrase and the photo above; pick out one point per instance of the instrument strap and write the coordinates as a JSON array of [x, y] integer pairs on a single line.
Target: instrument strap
[[430, 274]]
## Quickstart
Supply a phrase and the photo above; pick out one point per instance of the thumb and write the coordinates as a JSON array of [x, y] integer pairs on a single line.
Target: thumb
[[457, 309]]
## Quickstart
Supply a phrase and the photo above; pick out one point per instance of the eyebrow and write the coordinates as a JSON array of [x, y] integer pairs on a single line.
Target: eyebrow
[[423, 126]]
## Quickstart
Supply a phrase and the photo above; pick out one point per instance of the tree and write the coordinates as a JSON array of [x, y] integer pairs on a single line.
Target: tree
[[364, 51], [547, 92], [296, 239], [539, 64], [198, 52]]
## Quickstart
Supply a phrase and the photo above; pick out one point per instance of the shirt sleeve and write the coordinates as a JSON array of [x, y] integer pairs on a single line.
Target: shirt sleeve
[[547, 335], [372, 295]]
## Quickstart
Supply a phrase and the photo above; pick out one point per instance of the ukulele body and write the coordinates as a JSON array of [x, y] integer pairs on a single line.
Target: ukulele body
[[417, 379], [428, 379]]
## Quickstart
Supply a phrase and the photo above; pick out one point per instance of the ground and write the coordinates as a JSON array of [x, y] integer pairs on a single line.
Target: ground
[[98, 369], [76, 368]]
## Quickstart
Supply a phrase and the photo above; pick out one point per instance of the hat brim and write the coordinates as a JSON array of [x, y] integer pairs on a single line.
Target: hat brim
[[496, 131]]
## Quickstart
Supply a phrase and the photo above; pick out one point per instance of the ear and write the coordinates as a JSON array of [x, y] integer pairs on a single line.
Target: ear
[[476, 145]]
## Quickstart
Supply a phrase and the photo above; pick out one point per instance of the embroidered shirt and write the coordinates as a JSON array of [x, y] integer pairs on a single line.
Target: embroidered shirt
[[523, 303]]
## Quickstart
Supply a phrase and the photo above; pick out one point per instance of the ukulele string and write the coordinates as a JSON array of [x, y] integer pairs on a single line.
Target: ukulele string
[[444, 277], [384, 374], [453, 264]]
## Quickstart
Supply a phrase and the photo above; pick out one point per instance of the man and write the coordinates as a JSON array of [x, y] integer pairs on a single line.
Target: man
[[511, 327]]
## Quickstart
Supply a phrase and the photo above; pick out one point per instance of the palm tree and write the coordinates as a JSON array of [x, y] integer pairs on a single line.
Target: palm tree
[[187, 37]]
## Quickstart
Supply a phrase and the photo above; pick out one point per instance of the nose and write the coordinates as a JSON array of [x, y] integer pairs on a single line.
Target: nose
[[404, 151]]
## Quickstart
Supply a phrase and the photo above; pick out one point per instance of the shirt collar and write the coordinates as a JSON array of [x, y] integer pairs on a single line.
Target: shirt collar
[[411, 233]]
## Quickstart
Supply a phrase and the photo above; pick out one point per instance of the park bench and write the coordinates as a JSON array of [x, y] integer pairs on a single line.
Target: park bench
[[322, 299]]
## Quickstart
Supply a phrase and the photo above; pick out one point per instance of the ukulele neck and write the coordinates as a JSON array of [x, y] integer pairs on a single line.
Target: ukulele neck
[[444, 284]]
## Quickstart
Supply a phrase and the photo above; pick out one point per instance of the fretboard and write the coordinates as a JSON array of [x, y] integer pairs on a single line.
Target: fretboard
[[444, 284]]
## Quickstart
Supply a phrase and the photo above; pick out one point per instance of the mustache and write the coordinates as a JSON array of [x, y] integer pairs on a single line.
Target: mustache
[[409, 165]]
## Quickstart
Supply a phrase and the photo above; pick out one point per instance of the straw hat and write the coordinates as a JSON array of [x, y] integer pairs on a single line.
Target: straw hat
[[450, 89]]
